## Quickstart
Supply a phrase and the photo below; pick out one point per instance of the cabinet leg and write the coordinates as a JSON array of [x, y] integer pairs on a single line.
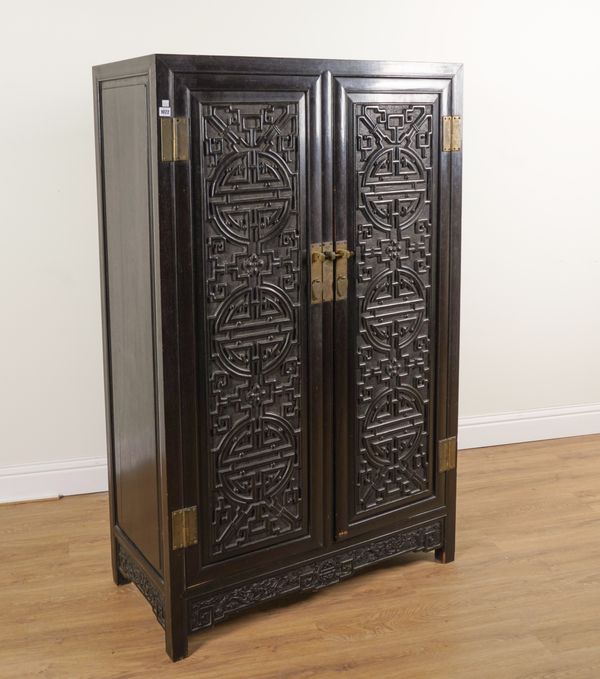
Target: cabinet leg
[[176, 643], [118, 577], [445, 553]]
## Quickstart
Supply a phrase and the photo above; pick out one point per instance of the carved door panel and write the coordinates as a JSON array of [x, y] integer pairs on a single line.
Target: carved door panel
[[390, 329], [255, 469]]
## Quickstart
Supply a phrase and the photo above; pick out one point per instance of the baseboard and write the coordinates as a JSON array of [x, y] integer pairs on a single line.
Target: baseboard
[[20, 483], [531, 425]]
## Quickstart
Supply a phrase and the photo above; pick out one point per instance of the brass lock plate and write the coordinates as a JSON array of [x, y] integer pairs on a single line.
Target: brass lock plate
[[316, 273], [321, 272], [328, 272], [341, 270]]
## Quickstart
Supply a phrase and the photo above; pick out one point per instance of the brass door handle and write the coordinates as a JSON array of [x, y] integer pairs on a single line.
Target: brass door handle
[[340, 253]]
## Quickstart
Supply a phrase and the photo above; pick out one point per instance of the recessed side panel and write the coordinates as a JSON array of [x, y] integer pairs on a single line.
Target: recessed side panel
[[129, 309], [387, 380]]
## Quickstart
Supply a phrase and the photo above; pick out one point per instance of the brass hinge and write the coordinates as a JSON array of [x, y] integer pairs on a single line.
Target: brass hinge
[[184, 526], [447, 454], [174, 139], [452, 133]]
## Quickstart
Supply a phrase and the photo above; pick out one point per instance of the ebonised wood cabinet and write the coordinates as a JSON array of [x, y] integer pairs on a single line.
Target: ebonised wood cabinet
[[280, 274]]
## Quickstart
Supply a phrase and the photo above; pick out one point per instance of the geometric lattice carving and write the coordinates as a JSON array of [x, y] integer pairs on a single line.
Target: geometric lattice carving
[[251, 195], [207, 610], [257, 474], [401, 294], [393, 425], [392, 433], [393, 187], [393, 163], [267, 318], [252, 239]]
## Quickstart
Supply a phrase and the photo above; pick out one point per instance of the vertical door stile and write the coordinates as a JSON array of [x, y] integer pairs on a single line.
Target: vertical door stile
[[327, 402], [342, 359]]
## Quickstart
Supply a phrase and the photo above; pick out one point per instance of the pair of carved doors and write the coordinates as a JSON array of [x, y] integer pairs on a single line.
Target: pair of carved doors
[[316, 335]]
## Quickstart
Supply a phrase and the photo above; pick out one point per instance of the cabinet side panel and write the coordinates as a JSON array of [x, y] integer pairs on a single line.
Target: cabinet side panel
[[129, 309]]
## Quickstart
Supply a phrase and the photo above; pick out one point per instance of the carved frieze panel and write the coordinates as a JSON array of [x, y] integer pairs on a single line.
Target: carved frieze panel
[[207, 610]]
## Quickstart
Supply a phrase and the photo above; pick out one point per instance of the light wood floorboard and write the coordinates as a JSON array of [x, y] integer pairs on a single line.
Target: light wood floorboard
[[521, 601]]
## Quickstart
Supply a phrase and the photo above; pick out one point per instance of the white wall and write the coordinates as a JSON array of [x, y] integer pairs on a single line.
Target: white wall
[[531, 274]]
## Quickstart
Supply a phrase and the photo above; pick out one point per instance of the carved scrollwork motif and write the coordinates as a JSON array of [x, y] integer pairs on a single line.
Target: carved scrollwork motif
[[393, 161], [208, 610], [252, 235]]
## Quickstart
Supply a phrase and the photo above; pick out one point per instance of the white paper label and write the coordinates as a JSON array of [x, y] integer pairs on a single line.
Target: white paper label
[[165, 103], [164, 111]]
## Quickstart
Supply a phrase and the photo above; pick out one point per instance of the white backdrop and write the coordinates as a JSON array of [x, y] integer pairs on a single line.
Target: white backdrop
[[531, 263]]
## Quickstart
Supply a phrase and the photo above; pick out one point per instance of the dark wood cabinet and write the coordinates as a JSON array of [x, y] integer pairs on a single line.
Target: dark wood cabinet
[[280, 246]]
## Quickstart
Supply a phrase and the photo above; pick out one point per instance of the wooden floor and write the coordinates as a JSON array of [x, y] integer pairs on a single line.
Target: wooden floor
[[521, 600]]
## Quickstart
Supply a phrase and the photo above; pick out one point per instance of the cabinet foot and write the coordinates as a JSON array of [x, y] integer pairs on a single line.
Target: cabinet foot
[[119, 578], [176, 645], [444, 554]]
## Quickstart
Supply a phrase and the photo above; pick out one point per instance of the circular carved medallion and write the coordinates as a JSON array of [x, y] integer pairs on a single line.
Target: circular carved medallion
[[393, 308], [251, 196], [253, 330], [393, 426], [393, 188], [256, 459]]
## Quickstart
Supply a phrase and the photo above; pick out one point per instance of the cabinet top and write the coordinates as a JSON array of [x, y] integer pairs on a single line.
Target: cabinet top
[[281, 65]]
